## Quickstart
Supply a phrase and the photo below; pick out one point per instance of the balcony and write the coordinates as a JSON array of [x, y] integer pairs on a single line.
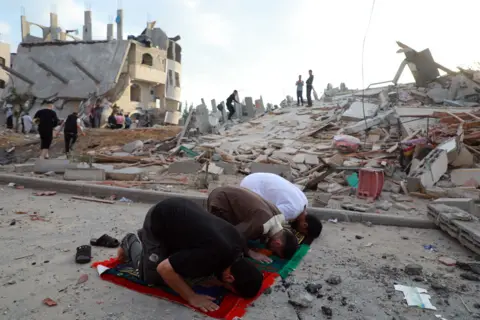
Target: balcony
[[146, 73]]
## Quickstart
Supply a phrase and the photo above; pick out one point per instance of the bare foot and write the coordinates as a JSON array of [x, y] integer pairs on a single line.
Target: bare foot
[[121, 255]]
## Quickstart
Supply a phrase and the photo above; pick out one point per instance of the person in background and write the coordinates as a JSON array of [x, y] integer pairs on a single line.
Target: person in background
[[27, 123], [128, 121], [9, 118], [309, 87], [120, 120], [231, 98], [112, 121], [70, 127], [299, 85], [97, 115], [180, 240], [47, 120]]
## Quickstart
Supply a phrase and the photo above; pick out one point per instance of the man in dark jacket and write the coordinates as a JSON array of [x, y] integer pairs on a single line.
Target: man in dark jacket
[[309, 88], [231, 109], [179, 241]]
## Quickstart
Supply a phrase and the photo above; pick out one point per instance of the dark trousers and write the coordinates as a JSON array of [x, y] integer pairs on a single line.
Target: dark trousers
[[137, 253], [299, 98], [309, 95], [70, 139], [46, 138], [231, 110], [10, 122]]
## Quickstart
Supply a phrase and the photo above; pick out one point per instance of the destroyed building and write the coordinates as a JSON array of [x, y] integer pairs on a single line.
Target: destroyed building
[[141, 72]]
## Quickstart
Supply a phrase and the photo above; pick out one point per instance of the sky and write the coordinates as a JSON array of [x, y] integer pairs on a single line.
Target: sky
[[259, 47]]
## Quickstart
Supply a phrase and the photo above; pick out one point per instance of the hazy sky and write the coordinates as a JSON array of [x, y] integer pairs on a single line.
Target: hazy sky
[[261, 46]]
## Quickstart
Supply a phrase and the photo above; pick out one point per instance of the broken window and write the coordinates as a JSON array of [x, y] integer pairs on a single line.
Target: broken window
[[170, 77], [147, 59], [135, 93], [177, 79], [178, 53], [2, 84], [170, 50], [2, 61]]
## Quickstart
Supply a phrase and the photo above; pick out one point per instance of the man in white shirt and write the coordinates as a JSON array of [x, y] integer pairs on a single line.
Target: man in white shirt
[[288, 198]]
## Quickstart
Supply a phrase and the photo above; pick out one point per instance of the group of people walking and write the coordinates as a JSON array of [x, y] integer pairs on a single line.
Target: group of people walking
[[181, 240]]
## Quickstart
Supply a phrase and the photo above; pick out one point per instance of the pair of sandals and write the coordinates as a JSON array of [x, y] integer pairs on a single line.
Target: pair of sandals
[[84, 253]]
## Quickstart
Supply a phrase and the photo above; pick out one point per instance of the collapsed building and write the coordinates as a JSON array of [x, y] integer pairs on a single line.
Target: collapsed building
[[138, 73]]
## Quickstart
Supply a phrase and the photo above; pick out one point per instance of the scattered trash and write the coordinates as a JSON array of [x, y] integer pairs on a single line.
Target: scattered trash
[[447, 261], [353, 180], [14, 222], [49, 302], [346, 143], [430, 247], [83, 278], [333, 220], [11, 185], [416, 297], [19, 187], [123, 199], [45, 193], [21, 212], [440, 317]]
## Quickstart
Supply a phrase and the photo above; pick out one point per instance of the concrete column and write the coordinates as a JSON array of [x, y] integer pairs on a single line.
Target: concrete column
[[87, 27], [249, 107], [25, 27], [109, 31], [214, 104], [54, 26], [119, 20]]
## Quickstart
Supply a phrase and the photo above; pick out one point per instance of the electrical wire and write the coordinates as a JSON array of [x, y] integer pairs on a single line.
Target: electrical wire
[[363, 73]]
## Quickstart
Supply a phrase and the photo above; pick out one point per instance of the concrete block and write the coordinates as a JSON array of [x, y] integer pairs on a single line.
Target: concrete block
[[464, 159], [228, 168], [212, 169], [25, 167], [55, 165], [466, 204], [84, 174], [132, 146], [431, 169], [355, 112], [371, 122], [311, 159], [461, 177], [126, 174], [299, 158], [280, 169], [186, 167]]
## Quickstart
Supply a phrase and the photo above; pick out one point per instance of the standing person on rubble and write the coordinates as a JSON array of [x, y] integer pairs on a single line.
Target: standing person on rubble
[[299, 85], [231, 98], [47, 120], [309, 88], [70, 127], [9, 118], [128, 121]]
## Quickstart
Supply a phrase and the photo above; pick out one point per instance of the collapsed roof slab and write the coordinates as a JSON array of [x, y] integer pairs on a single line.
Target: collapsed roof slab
[[102, 59]]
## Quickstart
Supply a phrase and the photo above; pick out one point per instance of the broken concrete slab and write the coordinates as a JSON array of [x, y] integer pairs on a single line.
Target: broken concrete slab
[[280, 169], [24, 167], [84, 174], [299, 158], [462, 177], [429, 171], [126, 174], [132, 146], [366, 124], [312, 159], [355, 111], [228, 168], [212, 168], [466, 204], [438, 94], [55, 165], [189, 166]]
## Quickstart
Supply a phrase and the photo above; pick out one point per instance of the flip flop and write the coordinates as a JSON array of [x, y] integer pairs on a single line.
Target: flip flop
[[105, 241], [84, 254]]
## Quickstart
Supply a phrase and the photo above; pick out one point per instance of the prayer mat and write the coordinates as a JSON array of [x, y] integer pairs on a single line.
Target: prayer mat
[[231, 305]]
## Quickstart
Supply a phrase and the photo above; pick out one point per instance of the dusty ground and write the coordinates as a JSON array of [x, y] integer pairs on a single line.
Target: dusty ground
[[369, 267]]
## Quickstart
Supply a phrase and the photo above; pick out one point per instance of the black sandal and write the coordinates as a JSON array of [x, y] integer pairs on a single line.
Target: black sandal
[[84, 254], [105, 241]]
